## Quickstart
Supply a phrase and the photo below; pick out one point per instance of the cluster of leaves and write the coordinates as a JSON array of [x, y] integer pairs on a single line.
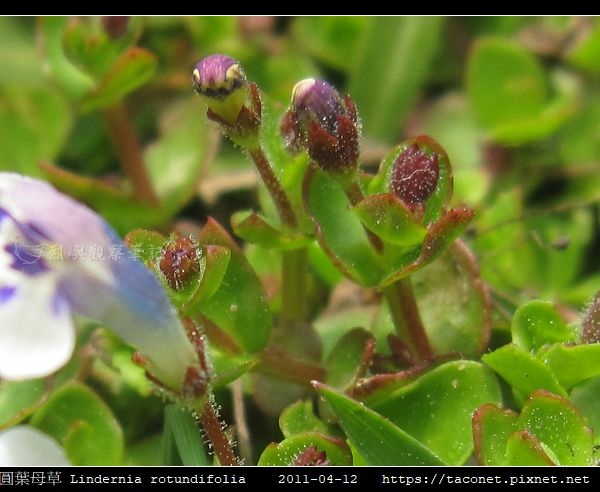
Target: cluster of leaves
[[515, 105]]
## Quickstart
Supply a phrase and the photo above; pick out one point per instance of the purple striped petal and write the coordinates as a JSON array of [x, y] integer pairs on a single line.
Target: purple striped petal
[[25, 261]]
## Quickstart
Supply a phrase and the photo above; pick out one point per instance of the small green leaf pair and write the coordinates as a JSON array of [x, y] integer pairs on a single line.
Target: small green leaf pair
[[556, 378], [410, 419], [399, 227], [104, 67], [544, 353], [548, 431], [222, 294]]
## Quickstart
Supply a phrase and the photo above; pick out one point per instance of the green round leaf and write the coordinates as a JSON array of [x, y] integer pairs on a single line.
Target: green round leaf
[[18, 399], [436, 408], [76, 417], [492, 428], [454, 303], [524, 449], [34, 124], [586, 397], [239, 306], [299, 417], [523, 371], [339, 231], [377, 440], [573, 364], [536, 324], [347, 361], [557, 424], [505, 83]]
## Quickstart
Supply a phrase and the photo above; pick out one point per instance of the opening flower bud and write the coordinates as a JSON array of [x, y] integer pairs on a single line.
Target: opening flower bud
[[221, 81], [323, 123], [179, 262], [316, 100], [415, 174]]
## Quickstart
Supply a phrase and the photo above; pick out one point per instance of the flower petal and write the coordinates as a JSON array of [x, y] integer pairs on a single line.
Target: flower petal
[[48, 214], [136, 308], [26, 446], [37, 335], [36, 331], [94, 276]]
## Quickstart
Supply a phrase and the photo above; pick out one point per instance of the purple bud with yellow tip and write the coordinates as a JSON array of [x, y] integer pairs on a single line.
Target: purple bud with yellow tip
[[222, 82]]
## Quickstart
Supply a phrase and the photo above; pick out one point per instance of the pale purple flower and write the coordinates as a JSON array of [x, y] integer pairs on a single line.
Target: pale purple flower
[[59, 259]]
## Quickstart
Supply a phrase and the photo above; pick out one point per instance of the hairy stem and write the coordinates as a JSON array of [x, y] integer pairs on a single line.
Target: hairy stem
[[125, 139], [216, 435], [407, 320], [282, 202], [282, 365], [354, 193], [295, 262]]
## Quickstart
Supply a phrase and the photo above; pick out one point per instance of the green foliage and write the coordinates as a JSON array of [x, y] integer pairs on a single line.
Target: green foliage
[[436, 407], [78, 419], [377, 439], [393, 61], [317, 321], [18, 399], [548, 431]]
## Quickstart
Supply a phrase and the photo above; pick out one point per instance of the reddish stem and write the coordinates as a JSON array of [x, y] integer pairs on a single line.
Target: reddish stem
[[128, 147], [281, 364], [216, 435], [282, 202], [406, 317]]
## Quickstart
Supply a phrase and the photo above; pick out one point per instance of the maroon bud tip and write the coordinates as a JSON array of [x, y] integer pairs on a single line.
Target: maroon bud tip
[[323, 123], [196, 383], [311, 456], [179, 262], [217, 76], [415, 174], [140, 360], [591, 321], [115, 26]]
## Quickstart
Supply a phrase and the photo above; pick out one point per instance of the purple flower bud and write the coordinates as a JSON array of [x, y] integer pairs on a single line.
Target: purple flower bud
[[316, 100], [323, 123], [232, 102], [415, 173], [218, 76]]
